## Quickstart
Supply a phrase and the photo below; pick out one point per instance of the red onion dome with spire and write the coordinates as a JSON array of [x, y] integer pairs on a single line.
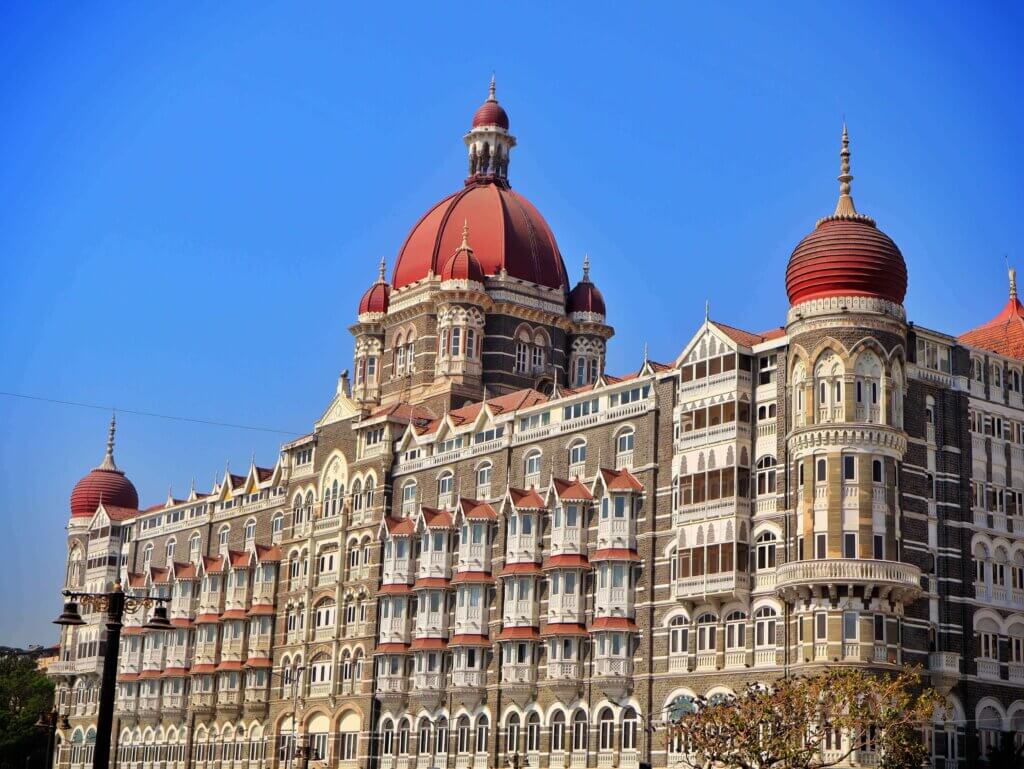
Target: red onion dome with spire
[[377, 296], [509, 234], [490, 112], [463, 264], [104, 484], [585, 297], [846, 254]]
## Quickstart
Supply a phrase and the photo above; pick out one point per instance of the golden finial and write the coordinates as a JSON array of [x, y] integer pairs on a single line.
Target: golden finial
[[490, 93], [586, 268], [1013, 283], [108, 458], [845, 205]]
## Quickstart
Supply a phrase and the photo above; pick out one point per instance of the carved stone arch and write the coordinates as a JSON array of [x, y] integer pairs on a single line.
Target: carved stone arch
[[833, 344]]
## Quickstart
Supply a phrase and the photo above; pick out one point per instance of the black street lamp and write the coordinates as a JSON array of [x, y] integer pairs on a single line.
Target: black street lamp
[[116, 604]]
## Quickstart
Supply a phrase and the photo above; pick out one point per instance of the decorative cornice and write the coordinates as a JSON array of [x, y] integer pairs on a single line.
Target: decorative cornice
[[805, 440]]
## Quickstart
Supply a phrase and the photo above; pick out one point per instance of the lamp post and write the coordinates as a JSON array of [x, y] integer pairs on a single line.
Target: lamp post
[[50, 721], [116, 604]]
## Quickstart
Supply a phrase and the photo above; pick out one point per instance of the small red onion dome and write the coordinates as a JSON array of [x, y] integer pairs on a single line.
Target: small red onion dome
[[377, 296], [104, 484], [846, 254], [463, 264], [585, 297], [490, 112]]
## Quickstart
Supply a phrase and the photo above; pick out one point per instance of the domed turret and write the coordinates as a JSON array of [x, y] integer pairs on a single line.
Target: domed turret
[[585, 299], [104, 484], [377, 297], [462, 266], [490, 112], [846, 254]]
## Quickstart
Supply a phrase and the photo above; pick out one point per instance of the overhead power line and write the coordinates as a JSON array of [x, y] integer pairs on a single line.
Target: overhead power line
[[136, 412]]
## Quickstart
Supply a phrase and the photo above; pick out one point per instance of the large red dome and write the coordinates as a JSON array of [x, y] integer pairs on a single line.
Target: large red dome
[[108, 486], [846, 257], [104, 484], [507, 233]]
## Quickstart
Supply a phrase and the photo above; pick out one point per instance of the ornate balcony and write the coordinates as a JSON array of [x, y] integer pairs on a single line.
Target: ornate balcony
[[886, 579], [720, 585]]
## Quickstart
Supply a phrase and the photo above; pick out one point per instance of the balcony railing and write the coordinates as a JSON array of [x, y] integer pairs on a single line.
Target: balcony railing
[[723, 583], [613, 667], [468, 679], [903, 579], [563, 671], [518, 674], [429, 682]]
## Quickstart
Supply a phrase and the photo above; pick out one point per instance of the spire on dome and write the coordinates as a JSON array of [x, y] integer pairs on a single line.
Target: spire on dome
[[490, 92], [845, 205], [1013, 283], [464, 245], [108, 458], [383, 269], [586, 268]]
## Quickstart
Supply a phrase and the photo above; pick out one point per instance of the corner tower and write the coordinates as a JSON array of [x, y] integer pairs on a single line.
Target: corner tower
[[846, 581]]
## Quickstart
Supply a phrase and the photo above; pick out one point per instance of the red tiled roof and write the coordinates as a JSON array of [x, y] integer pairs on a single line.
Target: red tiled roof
[[213, 563], [615, 554], [399, 527], [184, 622], [263, 473], [203, 668], [391, 648], [1004, 334], [519, 568], [131, 630], [621, 480], [564, 629], [526, 498], [465, 577], [233, 614], [571, 489], [614, 623], [425, 582], [567, 561], [259, 662], [240, 559], [206, 619], [436, 519], [150, 674], [120, 513], [428, 643], [175, 672], [261, 610], [184, 570], [518, 633], [160, 574], [229, 665], [136, 580], [128, 677], [477, 511], [749, 338], [394, 590], [269, 554], [404, 412], [470, 640]]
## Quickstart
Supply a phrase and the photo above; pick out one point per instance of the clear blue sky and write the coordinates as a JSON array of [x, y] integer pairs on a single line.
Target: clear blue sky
[[192, 198]]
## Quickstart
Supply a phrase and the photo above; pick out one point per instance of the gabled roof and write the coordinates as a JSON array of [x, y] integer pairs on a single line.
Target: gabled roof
[[571, 490], [118, 513], [160, 575], [620, 480], [184, 570], [748, 338], [404, 412], [240, 559], [527, 499], [269, 554], [476, 511], [398, 527], [1004, 334], [436, 519], [213, 563]]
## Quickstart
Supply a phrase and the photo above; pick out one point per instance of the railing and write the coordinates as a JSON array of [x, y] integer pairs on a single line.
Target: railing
[[397, 572], [428, 681], [765, 657], [565, 540], [828, 571], [330, 523], [728, 431], [735, 659], [320, 689], [518, 674], [988, 668], [716, 508], [434, 564], [202, 699], [392, 684], [468, 679], [712, 584], [678, 662], [944, 662], [562, 670], [613, 667], [228, 697], [707, 660], [174, 702]]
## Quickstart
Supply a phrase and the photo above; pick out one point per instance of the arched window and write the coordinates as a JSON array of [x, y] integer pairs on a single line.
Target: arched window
[[250, 534], [277, 528], [558, 732], [409, 497], [482, 728], [423, 738], [169, 554], [735, 630], [764, 627], [706, 628], [766, 475], [629, 720], [357, 495], [512, 734], [462, 734], [445, 486], [403, 737], [441, 736], [147, 555], [194, 543], [766, 544], [577, 455], [483, 480], [678, 631], [533, 733], [606, 730], [531, 466], [624, 448], [579, 731], [368, 489]]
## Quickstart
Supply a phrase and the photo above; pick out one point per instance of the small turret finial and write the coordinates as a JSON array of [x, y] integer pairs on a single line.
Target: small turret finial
[[586, 268], [108, 458], [845, 205], [1013, 282], [464, 245], [490, 92], [383, 269], [647, 357]]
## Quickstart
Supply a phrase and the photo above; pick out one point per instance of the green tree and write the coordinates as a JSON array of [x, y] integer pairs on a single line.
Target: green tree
[[25, 694], [811, 722]]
